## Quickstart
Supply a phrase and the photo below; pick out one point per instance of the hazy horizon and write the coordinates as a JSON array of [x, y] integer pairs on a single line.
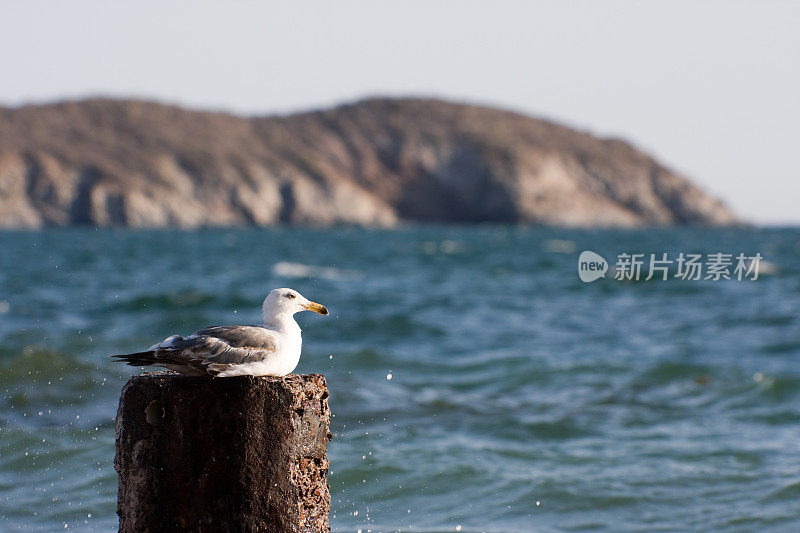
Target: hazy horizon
[[708, 89]]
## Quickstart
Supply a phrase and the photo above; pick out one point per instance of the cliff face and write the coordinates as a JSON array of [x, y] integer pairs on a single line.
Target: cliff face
[[106, 162]]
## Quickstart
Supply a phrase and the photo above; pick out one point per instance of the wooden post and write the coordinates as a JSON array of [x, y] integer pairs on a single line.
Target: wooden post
[[223, 454]]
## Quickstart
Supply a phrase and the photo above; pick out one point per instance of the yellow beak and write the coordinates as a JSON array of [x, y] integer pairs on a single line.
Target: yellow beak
[[317, 308]]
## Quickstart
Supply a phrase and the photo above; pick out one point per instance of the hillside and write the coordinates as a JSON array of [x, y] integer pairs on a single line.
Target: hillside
[[377, 162]]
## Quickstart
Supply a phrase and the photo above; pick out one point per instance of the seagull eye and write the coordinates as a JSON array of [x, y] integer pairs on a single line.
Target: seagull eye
[[290, 296]]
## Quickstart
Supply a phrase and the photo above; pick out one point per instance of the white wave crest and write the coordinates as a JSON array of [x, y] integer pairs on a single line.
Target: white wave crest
[[286, 269]]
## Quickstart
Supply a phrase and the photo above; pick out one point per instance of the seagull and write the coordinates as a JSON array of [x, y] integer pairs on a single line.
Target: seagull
[[224, 351]]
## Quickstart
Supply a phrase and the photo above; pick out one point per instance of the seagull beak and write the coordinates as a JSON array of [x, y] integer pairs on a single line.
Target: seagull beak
[[317, 308]]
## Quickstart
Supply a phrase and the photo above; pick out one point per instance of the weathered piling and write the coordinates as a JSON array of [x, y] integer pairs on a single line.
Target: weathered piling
[[225, 454]]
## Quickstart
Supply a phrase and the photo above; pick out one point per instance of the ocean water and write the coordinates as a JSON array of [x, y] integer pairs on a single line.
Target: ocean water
[[477, 383]]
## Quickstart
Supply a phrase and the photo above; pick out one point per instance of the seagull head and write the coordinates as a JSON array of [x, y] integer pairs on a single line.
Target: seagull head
[[288, 302]]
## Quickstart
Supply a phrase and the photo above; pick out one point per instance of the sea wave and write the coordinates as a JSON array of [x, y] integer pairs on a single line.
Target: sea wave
[[287, 269]]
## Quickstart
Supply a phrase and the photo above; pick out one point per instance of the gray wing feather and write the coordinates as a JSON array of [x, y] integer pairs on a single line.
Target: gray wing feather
[[242, 336], [221, 345]]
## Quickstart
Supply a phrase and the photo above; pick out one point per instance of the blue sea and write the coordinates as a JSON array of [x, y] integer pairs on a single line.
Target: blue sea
[[477, 383]]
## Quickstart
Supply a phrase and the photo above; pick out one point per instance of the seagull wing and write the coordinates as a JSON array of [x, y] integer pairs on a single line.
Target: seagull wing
[[235, 344], [209, 351]]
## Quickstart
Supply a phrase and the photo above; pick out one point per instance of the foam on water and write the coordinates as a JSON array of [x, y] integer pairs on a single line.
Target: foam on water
[[287, 269]]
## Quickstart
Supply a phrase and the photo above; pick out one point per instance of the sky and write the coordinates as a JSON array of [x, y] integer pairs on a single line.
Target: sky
[[708, 87]]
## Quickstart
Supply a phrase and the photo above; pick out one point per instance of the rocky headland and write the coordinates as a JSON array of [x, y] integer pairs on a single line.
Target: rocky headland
[[378, 162]]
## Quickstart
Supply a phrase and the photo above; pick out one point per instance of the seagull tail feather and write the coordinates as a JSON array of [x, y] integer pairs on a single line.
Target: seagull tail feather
[[137, 359]]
